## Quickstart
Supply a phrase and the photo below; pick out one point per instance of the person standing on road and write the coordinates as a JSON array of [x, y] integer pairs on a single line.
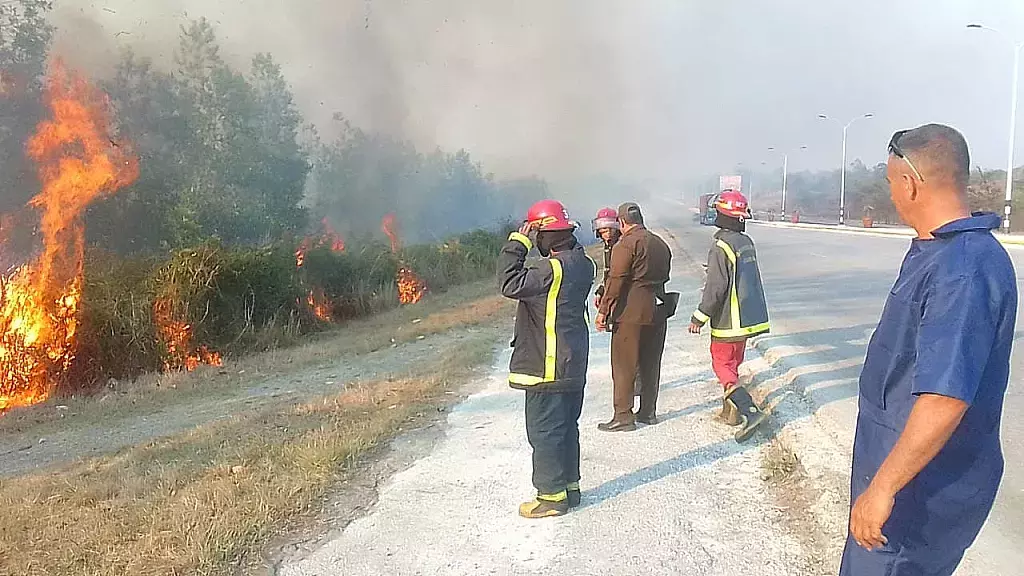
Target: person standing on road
[[733, 302], [606, 228], [927, 459], [640, 266], [550, 347]]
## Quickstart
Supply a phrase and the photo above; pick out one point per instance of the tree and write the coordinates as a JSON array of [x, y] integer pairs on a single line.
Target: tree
[[145, 217], [25, 38]]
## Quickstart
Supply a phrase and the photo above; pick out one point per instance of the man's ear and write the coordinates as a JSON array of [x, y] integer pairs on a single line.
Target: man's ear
[[910, 186]]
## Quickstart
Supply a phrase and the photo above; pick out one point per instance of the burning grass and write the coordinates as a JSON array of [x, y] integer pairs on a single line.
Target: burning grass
[[39, 302], [206, 501]]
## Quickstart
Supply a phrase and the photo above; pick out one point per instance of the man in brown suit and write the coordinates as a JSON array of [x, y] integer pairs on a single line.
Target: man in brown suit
[[640, 266]]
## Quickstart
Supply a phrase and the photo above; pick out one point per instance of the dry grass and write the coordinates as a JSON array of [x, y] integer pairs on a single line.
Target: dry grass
[[204, 502], [468, 305]]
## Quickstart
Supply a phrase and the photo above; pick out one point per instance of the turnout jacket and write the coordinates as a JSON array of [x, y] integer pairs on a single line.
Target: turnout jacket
[[551, 342], [607, 268], [733, 299]]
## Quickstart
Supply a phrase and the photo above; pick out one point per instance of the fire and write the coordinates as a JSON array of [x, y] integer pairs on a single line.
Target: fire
[[39, 302], [387, 225], [177, 336], [329, 237], [319, 304], [410, 288]]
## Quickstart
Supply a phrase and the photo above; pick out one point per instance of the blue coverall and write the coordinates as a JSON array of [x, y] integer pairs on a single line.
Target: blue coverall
[[947, 328]]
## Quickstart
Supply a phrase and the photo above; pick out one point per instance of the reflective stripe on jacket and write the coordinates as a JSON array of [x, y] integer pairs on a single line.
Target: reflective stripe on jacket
[[733, 299], [551, 343]]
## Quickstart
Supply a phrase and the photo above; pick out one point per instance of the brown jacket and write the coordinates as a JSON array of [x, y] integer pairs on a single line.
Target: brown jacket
[[640, 266]]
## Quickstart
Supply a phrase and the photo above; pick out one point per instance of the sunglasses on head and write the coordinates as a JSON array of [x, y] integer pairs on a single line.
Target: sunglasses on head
[[895, 150]]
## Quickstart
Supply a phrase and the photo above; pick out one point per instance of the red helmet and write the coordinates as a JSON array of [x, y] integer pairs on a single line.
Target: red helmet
[[732, 203], [606, 218], [549, 215]]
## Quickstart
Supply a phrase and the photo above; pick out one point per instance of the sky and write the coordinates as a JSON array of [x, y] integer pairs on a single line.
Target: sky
[[655, 90]]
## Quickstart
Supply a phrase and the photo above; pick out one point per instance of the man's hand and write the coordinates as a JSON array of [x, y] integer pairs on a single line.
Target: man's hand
[[695, 328], [869, 514], [525, 229], [597, 301], [601, 322]]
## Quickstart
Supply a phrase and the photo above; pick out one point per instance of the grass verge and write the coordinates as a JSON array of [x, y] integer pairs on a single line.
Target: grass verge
[[204, 502]]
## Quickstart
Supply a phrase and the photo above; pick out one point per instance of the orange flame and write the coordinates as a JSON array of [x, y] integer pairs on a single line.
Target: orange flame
[[177, 336], [410, 287], [387, 225], [39, 302], [329, 237], [319, 304]]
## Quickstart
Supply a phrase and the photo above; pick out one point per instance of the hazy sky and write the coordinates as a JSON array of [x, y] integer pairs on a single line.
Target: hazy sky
[[653, 89]]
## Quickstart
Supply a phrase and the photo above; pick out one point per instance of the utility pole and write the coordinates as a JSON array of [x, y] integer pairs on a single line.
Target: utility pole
[[842, 177], [1017, 46]]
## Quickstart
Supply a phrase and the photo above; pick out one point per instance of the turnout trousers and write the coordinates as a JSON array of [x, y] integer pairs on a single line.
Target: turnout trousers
[[636, 352], [553, 430]]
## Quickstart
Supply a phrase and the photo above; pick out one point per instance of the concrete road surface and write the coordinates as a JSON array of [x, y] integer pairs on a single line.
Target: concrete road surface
[[681, 497], [826, 290]]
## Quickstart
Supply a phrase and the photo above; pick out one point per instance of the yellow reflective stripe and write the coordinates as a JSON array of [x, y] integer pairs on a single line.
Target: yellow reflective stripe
[[727, 249], [551, 343], [522, 239], [732, 333], [700, 316], [556, 497], [734, 299], [573, 486], [524, 379]]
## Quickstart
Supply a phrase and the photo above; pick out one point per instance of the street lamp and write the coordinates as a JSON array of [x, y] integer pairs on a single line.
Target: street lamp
[[1013, 119], [785, 170], [842, 177]]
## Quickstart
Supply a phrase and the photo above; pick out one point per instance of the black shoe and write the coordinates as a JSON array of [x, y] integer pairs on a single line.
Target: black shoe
[[617, 426], [573, 497], [648, 420]]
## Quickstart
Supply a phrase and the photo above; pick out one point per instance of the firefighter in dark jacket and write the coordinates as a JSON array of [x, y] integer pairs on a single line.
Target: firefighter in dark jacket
[[734, 304], [550, 348]]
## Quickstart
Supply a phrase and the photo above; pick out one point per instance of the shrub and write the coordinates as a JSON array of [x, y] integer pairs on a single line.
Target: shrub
[[141, 315]]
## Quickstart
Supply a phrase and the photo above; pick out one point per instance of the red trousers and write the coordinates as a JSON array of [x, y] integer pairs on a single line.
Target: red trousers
[[726, 358]]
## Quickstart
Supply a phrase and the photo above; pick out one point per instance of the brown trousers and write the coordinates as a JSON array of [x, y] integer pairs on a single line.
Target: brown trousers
[[636, 351]]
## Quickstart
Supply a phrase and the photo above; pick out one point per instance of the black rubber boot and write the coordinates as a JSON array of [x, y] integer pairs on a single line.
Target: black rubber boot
[[750, 415]]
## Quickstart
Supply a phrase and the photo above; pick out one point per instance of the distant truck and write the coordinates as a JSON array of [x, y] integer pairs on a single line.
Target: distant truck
[[706, 209]]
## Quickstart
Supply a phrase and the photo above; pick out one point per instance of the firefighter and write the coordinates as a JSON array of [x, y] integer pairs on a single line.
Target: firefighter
[[550, 346], [733, 303], [606, 228]]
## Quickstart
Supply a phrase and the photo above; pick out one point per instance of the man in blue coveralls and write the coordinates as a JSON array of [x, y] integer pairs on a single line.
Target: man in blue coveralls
[[926, 459]]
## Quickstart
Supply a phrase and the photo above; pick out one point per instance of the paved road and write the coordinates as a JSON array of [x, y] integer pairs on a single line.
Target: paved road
[[826, 291], [681, 497]]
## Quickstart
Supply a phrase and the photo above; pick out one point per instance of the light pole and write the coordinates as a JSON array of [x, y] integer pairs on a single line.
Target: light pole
[[785, 172], [1013, 119], [842, 177]]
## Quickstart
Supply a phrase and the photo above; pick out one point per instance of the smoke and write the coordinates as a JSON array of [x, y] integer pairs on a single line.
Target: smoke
[[664, 89]]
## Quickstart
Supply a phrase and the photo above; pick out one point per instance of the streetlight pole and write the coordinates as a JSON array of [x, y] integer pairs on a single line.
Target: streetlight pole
[[785, 174], [842, 177], [1017, 46]]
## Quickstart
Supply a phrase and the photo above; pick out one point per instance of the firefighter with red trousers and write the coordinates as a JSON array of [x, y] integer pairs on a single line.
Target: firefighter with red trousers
[[733, 303], [550, 349]]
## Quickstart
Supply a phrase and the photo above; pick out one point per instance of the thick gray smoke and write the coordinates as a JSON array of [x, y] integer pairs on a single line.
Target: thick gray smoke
[[663, 89]]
